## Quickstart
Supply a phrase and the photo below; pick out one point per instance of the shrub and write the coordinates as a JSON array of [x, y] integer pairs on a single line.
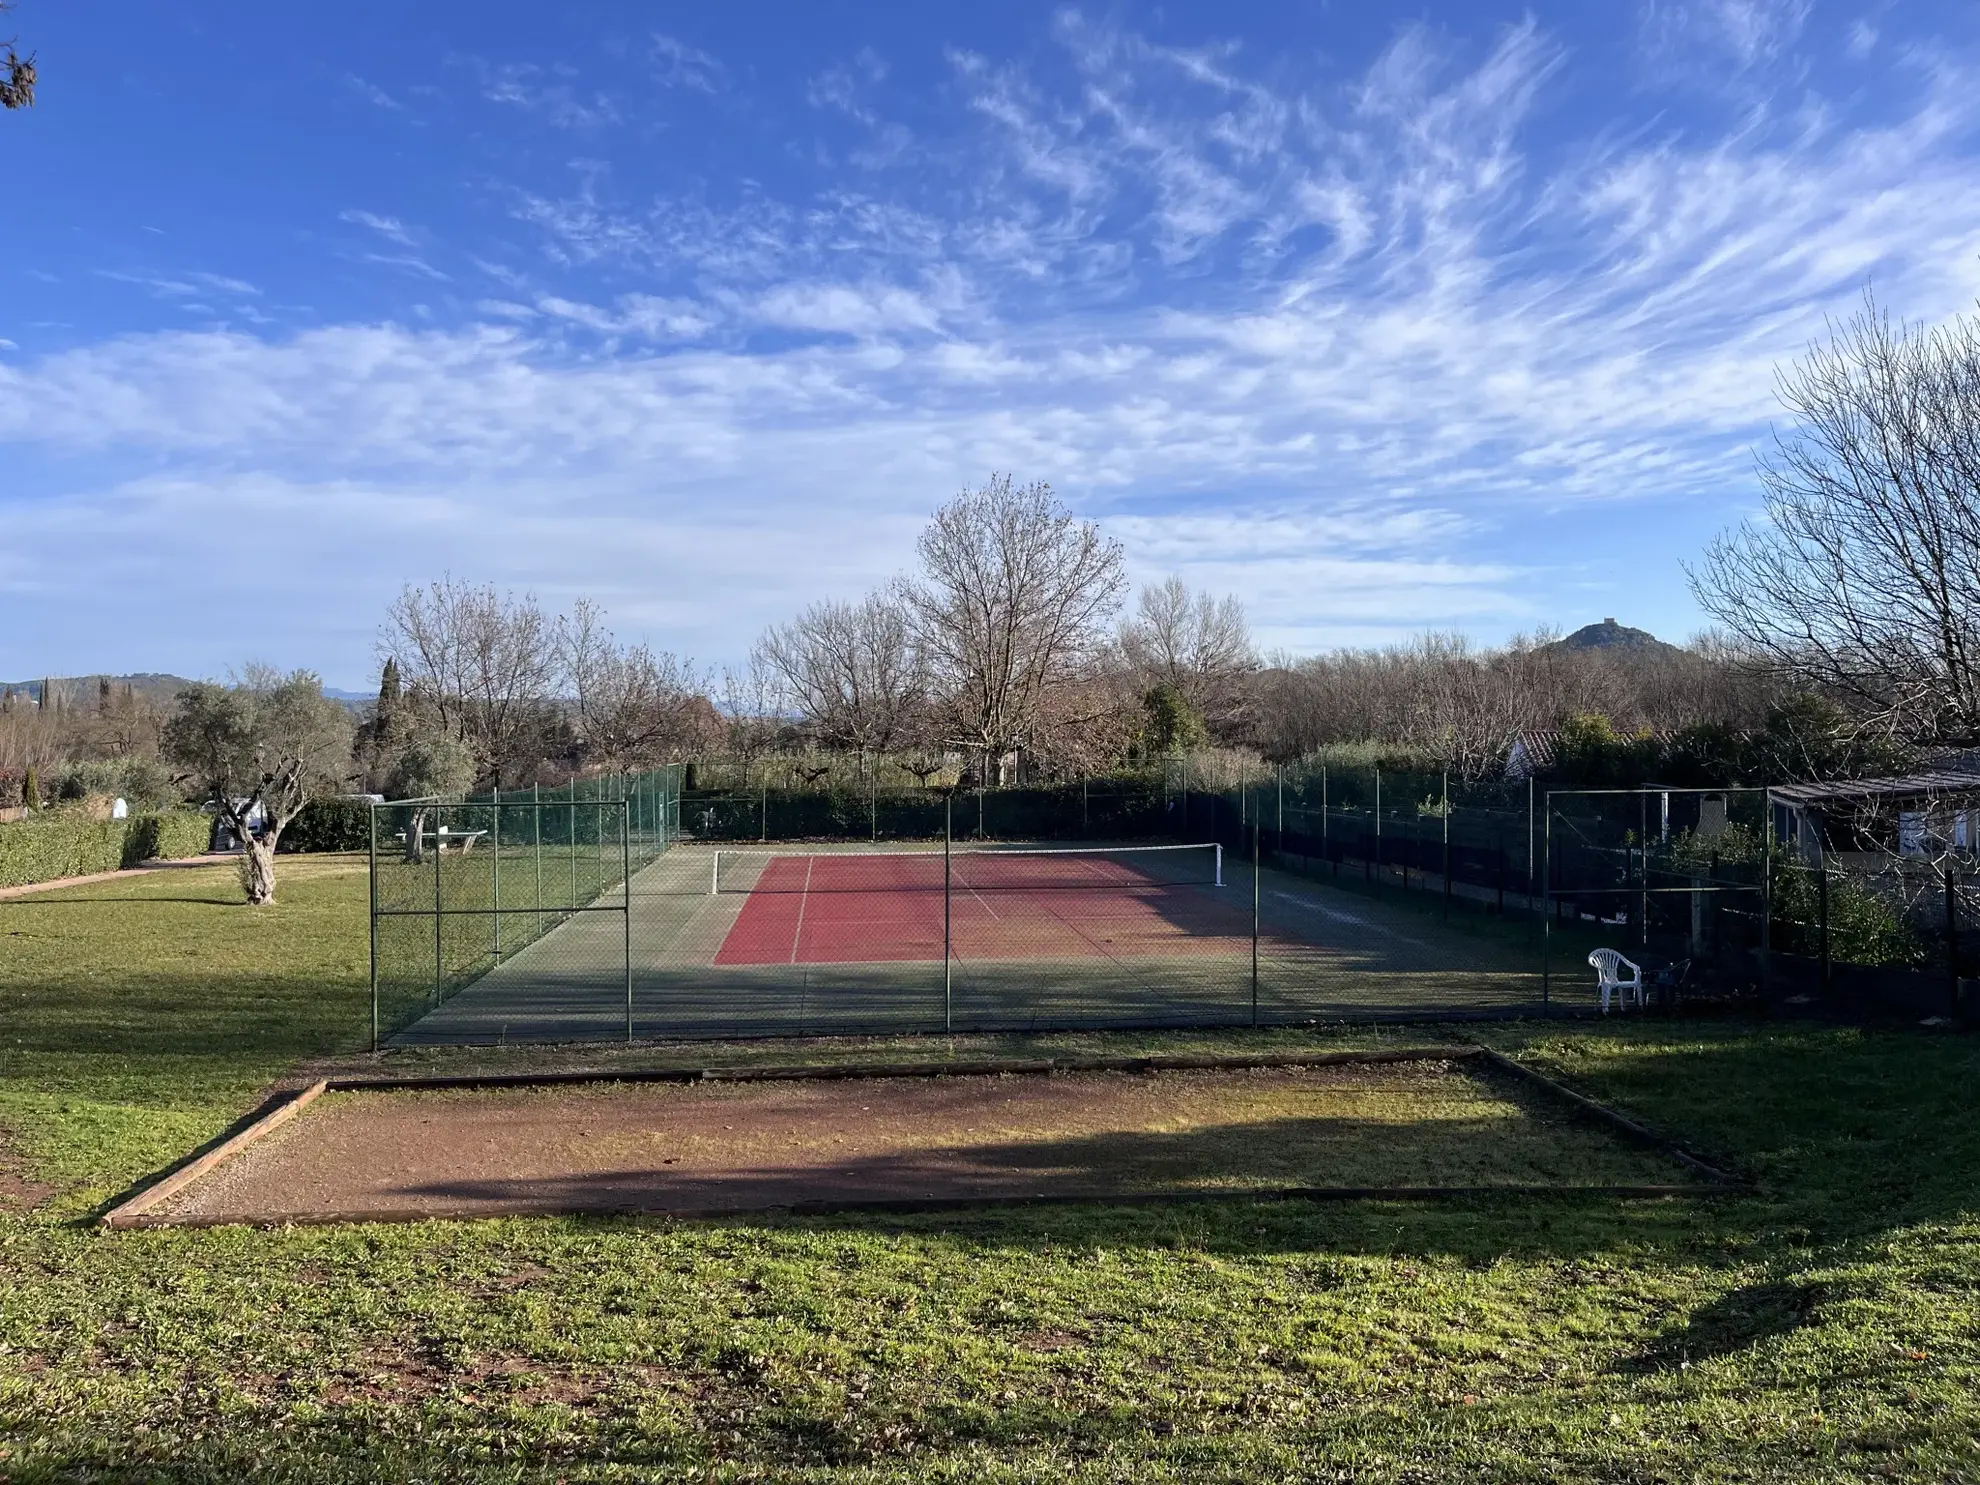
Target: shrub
[[144, 783], [171, 836], [67, 843], [341, 823]]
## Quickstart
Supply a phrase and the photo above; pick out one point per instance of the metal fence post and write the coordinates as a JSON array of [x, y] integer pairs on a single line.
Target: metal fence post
[[1952, 939], [948, 971], [1822, 919], [372, 810], [439, 954], [1767, 903], [625, 900], [1643, 871], [1378, 823], [1445, 805], [1547, 898], [1256, 873], [495, 868], [536, 814], [1529, 845], [1326, 834]]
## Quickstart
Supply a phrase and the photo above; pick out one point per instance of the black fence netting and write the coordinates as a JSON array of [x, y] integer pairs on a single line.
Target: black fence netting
[[1100, 809], [629, 908]]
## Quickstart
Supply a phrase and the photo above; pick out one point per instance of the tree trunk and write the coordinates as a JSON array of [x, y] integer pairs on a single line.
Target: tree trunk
[[416, 838], [258, 871]]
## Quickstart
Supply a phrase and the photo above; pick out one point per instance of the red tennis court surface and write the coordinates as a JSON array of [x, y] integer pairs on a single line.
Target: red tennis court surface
[[854, 909]]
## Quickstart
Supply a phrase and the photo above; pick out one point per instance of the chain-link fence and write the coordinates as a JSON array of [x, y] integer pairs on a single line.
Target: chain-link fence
[[624, 908], [1113, 808], [529, 883], [968, 910]]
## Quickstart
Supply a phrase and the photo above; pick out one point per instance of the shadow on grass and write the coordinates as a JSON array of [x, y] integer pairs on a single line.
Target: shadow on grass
[[1734, 1322]]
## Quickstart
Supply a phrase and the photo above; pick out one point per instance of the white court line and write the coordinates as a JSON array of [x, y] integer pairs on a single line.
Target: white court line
[[797, 935], [1351, 918]]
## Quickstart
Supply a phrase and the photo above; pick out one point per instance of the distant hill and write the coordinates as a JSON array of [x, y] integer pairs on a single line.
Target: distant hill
[[1609, 635], [80, 690]]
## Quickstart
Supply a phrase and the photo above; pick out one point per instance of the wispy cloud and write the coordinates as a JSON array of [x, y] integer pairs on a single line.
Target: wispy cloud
[[678, 65], [387, 227], [371, 93], [844, 88], [545, 93], [1679, 34], [411, 263], [1339, 342], [182, 286]]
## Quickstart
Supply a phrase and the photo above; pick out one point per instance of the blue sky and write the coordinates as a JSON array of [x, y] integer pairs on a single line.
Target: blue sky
[[1381, 318]]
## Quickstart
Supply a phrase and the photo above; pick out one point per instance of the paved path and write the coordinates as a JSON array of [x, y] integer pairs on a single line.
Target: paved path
[[210, 859]]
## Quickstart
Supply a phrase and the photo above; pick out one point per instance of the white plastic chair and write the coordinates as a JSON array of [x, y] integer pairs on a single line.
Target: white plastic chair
[[1609, 965]]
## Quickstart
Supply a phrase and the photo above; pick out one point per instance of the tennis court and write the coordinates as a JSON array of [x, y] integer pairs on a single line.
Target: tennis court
[[818, 940]]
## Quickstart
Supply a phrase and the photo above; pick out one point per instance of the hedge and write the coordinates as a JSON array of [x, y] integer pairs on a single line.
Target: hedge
[[68, 843], [342, 823]]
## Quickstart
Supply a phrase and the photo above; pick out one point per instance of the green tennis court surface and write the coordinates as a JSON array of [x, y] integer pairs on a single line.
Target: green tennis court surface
[[811, 940]]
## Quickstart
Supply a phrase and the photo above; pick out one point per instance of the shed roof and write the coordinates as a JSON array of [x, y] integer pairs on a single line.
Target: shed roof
[[1925, 784]]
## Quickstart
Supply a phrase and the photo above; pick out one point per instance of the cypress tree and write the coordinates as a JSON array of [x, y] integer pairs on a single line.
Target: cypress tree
[[386, 720]]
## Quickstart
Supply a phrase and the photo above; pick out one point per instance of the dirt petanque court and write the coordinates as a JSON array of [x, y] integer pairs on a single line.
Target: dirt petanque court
[[1425, 1125]]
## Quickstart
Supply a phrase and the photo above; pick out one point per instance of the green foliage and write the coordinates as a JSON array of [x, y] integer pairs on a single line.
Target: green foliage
[[142, 781], [31, 788], [1804, 738], [340, 823], [68, 843], [1865, 925], [273, 739], [1173, 725], [1591, 754], [172, 836], [430, 765]]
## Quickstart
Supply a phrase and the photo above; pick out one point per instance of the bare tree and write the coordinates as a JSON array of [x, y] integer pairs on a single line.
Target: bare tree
[[753, 707], [634, 708], [852, 671], [479, 665], [1010, 612], [1864, 579], [17, 73], [1441, 696], [259, 751], [1198, 645]]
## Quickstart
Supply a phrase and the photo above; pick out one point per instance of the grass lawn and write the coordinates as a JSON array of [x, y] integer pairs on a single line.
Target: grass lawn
[[1826, 1327]]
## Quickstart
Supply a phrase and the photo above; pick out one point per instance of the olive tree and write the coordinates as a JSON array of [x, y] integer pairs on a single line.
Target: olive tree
[[427, 765], [258, 751]]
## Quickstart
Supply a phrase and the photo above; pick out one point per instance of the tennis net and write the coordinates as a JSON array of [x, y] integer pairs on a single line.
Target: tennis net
[[971, 869]]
